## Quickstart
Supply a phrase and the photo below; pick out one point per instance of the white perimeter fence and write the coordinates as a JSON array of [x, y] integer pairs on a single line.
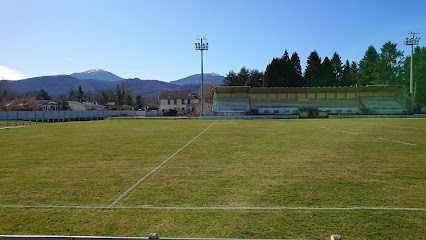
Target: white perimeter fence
[[62, 116]]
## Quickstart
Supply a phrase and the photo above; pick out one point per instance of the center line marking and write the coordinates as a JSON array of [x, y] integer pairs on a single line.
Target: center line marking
[[350, 132], [156, 168], [397, 141]]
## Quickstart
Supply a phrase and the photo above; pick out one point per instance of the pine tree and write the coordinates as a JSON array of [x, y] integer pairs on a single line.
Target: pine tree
[[255, 78], [279, 73], [240, 79], [119, 97], [327, 77], [368, 68], [242, 76], [285, 56], [297, 78], [391, 64], [273, 73], [129, 100], [43, 95], [353, 74], [72, 95], [337, 65], [138, 103], [313, 69], [80, 94], [230, 79], [345, 74]]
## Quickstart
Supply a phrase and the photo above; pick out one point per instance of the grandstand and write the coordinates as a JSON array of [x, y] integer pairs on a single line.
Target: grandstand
[[238, 101], [383, 105], [232, 101]]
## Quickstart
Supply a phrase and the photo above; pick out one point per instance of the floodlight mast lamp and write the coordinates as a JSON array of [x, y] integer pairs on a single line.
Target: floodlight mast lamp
[[202, 46], [412, 41]]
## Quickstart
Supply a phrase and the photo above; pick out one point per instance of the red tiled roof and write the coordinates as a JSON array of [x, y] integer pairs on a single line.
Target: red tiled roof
[[178, 95]]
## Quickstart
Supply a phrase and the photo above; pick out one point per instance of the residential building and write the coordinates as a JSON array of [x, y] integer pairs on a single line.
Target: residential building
[[48, 105], [181, 101], [85, 106]]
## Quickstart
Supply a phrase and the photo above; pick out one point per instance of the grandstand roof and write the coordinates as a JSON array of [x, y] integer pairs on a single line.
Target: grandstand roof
[[246, 89], [232, 89]]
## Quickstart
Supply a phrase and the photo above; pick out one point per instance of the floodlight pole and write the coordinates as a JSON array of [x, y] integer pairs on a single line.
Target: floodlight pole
[[202, 46], [412, 41]]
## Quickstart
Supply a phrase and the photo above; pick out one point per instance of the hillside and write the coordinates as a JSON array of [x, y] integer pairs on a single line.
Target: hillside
[[196, 79], [55, 85]]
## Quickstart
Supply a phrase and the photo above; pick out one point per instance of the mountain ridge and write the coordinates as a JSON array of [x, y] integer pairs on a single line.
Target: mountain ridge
[[60, 85], [97, 74], [196, 79]]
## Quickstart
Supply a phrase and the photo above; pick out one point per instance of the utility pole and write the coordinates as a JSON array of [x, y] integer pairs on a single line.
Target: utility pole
[[412, 41], [202, 46]]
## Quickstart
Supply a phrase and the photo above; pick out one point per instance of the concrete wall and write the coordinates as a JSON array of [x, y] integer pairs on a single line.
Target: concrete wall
[[338, 110], [278, 110]]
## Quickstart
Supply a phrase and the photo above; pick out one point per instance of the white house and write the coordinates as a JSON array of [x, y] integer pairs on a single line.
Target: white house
[[181, 101], [85, 106], [47, 105]]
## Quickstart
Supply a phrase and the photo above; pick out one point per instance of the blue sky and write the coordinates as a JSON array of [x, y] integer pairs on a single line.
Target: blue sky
[[155, 39]]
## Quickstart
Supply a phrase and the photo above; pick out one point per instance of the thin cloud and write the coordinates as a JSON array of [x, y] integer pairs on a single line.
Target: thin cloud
[[7, 73]]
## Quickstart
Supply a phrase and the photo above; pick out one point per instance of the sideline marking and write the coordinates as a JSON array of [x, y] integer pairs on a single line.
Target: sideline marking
[[387, 125], [350, 132], [14, 127], [177, 167], [156, 168], [215, 208], [397, 141]]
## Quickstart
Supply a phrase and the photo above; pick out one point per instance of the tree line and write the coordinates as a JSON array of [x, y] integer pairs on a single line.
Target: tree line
[[122, 98], [389, 66]]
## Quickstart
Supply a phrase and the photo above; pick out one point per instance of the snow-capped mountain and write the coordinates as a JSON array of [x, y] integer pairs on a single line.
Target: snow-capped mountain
[[97, 74]]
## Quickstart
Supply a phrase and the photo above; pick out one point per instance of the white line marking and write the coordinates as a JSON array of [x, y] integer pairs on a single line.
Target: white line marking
[[14, 127], [350, 132], [49, 206], [176, 167], [387, 125], [215, 208], [156, 168], [277, 208], [397, 141], [341, 131], [59, 237]]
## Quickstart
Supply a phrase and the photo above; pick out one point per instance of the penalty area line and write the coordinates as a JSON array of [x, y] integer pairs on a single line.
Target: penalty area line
[[216, 208], [156, 168]]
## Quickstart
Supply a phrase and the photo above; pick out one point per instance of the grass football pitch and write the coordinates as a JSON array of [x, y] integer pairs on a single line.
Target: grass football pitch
[[299, 179]]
